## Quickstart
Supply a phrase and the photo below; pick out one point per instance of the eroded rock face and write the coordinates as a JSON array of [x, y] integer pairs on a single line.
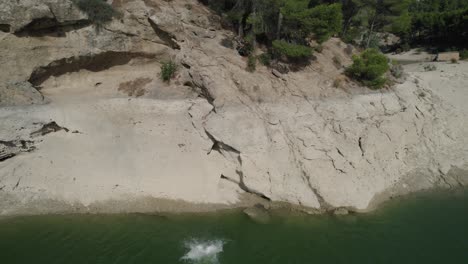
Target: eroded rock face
[[31, 15], [28, 57], [216, 133]]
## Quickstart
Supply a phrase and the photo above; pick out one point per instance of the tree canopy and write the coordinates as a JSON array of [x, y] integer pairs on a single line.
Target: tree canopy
[[291, 24]]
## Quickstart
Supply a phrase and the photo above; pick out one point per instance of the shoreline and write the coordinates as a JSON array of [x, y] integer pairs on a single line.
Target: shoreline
[[169, 208], [158, 206]]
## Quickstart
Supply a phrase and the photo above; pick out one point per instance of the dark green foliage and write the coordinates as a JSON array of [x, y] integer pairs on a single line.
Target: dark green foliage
[[318, 48], [293, 52], [168, 70], [299, 21], [396, 70], [464, 54], [369, 68], [227, 43], [440, 22], [98, 11], [430, 67], [265, 59], [337, 62], [294, 22], [251, 63]]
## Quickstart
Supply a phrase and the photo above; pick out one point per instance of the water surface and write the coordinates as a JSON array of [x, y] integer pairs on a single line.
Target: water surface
[[427, 228]]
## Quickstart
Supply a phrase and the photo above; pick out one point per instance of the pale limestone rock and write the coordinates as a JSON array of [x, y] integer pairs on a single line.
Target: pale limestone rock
[[18, 15], [292, 139]]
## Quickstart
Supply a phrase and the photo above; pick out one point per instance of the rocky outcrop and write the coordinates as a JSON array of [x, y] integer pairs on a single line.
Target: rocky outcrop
[[29, 16], [216, 134], [28, 57]]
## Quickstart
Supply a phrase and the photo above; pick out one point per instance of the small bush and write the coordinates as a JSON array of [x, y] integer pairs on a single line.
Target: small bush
[[168, 71], [453, 60], [246, 46], [337, 62], [464, 54], [369, 68], [251, 63], [318, 48], [430, 67], [265, 59], [349, 49], [405, 47], [293, 52], [98, 11], [227, 43], [396, 70], [338, 83]]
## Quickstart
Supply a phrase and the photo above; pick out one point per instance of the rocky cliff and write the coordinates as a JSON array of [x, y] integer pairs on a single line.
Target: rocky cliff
[[87, 125]]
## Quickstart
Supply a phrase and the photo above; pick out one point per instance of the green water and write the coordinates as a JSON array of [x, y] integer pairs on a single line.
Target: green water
[[428, 228]]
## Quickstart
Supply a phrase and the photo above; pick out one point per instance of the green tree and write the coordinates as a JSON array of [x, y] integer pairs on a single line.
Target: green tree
[[369, 68], [98, 11], [384, 15]]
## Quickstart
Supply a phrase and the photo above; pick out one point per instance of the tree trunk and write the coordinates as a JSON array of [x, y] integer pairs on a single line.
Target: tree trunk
[[254, 37], [371, 30], [240, 31], [280, 24]]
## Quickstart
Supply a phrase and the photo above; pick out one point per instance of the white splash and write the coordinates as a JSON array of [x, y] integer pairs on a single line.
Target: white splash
[[203, 251]]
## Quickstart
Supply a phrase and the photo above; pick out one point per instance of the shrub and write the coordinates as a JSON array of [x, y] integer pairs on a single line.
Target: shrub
[[430, 67], [337, 61], [349, 49], [318, 48], [265, 59], [405, 47], [98, 11], [245, 47], [227, 43], [453, 60], [338, 83], [291, 51], [168, 70], [396, 70], [251, 63], [464, 54], [369, 68]]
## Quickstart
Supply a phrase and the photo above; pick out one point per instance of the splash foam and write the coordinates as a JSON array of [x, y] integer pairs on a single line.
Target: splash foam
[[203, 251]]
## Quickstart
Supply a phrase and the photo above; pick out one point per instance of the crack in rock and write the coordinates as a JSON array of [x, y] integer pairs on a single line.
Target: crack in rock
[[305, 177], [360, 146], [244, 187], [10, 149], [165, 36], [201, 89], [48, 128], [332, 160], [220, 146], [17, 183], [223, 148]]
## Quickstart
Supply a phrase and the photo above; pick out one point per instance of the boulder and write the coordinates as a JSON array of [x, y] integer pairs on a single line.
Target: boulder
[[258, 213]]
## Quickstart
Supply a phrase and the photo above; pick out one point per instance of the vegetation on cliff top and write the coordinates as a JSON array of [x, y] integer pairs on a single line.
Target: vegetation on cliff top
[[369, 68], [284, 26], [361, 22], [98, 11]]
